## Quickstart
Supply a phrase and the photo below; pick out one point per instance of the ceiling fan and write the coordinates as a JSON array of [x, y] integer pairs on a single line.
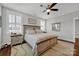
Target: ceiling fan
[[49, 8]]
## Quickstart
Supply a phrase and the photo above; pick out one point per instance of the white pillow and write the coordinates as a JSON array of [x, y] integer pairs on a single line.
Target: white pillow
[[39, 31], [30, 32]]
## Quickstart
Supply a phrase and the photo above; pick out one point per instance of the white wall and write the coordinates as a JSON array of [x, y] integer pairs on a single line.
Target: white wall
[[5, 33], [0, 16], [0, 21], [67, 31], [0, 26], [0, 10], [25, 20], [0, 31], [0, 37], [77, 27]]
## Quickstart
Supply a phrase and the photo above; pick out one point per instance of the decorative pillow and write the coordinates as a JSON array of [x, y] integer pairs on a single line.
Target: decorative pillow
[[39, 31], [30, 32]]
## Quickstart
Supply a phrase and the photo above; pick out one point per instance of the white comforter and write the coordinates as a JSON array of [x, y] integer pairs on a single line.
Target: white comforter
[[32, 39]]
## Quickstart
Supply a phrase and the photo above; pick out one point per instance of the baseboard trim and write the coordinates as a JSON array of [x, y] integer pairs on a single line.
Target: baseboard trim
[[66, 41]]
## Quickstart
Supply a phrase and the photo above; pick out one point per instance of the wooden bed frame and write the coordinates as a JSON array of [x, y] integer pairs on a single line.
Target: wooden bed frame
[[43, 45]]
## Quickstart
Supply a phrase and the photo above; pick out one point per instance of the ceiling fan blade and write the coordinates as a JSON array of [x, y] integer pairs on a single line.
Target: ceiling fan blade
[[43, 6], [54, 9], [48, 13], [52, 5]]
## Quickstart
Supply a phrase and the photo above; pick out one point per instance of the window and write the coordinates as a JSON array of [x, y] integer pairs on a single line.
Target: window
[[56, 26], [15, 23], [43, 25]]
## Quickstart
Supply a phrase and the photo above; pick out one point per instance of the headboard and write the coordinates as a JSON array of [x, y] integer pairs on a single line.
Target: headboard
[[29, 27]]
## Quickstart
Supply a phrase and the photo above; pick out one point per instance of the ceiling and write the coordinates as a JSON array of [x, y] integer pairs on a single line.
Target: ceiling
[[35, 9]]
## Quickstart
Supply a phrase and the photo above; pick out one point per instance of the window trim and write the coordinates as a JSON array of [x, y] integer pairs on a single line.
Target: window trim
[[16, 23]]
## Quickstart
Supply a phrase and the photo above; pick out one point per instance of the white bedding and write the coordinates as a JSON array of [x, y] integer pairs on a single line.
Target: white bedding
[[32, 39]]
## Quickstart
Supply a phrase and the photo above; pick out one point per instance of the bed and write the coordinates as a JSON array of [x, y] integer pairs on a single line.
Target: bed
[[39, 41]]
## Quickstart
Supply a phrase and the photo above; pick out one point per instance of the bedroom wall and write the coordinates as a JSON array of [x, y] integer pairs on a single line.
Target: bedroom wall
[[5, 33], [25, 20], [0, 37], [0, 10], [0, 16], [77, 27], [0, 26], [0, 21], [67, 26]]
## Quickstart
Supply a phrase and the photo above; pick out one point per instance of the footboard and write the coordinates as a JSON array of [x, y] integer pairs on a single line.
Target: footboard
[[45, 45]]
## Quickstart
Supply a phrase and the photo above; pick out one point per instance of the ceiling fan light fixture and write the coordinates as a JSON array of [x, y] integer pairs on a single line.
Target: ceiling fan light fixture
[[48, 10]]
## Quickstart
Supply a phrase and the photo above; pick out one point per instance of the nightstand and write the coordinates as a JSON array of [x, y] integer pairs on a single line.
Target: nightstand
[[16, 39]]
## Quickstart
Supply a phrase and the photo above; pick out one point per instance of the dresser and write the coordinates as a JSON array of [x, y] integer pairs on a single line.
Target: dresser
[[76, 51]]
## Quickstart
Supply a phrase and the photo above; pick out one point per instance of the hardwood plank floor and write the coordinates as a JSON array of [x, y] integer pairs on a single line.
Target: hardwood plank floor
[[5, 51], [61, 49]]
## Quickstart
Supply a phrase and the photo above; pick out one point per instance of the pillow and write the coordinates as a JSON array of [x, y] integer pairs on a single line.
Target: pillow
[[30, 32], [39, 31]]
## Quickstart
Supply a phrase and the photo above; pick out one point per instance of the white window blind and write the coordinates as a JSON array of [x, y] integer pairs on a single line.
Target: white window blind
[[43, 25], [15, 25]]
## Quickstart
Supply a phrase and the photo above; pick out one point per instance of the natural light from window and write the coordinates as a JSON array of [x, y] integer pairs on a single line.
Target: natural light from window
[[15, 25], [43, 25]]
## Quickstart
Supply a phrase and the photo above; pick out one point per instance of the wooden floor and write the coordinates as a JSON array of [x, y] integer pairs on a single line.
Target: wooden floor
[[5, 51], [61, 49]]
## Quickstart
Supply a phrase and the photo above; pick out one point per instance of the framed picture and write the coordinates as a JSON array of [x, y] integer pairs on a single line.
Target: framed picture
[[32, 21], [56, 26]]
